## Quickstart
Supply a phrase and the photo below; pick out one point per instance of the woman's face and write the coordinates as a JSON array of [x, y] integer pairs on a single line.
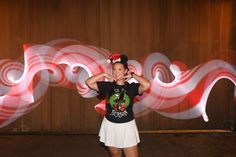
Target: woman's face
[[118, 71]]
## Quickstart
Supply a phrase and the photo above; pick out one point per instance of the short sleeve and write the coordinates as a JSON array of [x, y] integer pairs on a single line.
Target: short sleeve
[[103, 87], [135, 87]]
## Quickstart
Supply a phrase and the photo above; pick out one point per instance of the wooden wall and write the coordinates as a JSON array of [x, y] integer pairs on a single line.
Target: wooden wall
[[193, 31]]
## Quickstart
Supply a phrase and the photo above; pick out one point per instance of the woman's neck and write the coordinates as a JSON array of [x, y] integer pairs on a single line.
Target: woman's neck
[[120, 82]]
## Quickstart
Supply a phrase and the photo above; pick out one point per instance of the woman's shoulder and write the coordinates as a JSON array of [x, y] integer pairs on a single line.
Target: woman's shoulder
[[132, 83]]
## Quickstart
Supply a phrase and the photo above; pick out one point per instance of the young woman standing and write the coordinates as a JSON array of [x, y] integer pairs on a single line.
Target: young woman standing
[[118, 130]]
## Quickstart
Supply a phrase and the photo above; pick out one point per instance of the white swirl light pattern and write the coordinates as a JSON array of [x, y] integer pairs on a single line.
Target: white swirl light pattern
[[176, 92]]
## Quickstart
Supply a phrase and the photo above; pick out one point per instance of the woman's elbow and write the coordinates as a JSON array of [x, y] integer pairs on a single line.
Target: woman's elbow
[[87, 82], [146, 86]]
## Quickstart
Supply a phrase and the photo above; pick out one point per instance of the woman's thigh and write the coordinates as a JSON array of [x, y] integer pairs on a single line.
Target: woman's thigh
[[131, 151], [115, 152]]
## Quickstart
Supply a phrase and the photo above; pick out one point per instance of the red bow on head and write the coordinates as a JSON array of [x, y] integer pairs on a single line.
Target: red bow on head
[[114, 58]]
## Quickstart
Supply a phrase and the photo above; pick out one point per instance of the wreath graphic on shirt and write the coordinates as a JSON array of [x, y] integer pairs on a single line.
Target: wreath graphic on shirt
[[119, 101]]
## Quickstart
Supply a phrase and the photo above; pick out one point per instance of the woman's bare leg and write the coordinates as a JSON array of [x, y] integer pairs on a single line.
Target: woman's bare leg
[[131, 151], [115, 152]]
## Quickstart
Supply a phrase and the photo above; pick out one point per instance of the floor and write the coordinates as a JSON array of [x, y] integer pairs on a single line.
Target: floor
[[152, 145]]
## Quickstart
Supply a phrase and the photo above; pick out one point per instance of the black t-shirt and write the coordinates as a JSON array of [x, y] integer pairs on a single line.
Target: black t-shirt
[[119, 100]]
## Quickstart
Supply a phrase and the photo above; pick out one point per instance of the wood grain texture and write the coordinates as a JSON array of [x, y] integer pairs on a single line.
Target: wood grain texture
[[192, 31]]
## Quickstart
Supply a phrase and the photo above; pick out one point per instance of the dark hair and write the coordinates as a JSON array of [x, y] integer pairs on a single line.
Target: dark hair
[[124, 60]]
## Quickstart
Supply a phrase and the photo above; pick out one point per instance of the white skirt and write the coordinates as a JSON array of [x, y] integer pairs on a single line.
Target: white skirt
[[119, 135]]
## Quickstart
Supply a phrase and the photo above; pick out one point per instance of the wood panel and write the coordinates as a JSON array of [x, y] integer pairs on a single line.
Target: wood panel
[[192, 31]]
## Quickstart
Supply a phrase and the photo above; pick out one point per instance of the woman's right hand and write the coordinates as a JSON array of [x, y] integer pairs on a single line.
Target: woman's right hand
[[109, 77]]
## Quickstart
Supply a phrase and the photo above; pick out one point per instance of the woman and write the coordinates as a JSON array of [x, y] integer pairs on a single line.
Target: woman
[[118, 130]]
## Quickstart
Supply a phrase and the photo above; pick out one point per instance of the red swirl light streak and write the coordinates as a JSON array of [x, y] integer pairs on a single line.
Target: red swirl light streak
[[176, 92]]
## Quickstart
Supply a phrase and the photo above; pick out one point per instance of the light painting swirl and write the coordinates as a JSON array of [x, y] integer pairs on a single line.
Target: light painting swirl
[[176, 92]]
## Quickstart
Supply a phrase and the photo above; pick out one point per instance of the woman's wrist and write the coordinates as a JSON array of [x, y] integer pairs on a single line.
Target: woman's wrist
[[132, 75], [105, 75]]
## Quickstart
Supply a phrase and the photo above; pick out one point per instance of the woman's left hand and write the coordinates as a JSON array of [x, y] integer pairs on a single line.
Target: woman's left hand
[[128, 76]]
